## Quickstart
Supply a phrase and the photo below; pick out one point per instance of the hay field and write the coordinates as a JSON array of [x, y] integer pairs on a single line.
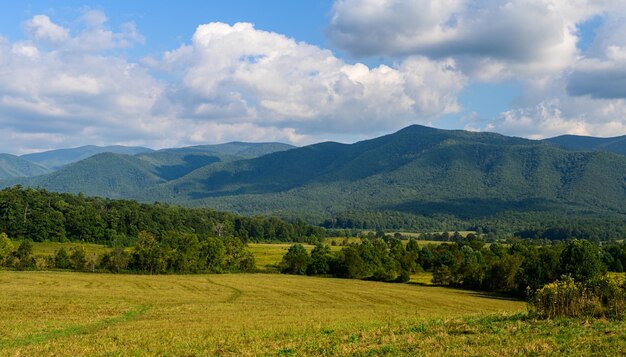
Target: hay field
[[67, 313]]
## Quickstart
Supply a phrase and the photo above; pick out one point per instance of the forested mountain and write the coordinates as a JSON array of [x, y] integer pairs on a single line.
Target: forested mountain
[[12, 166], [417, 170], [588, 143], [118, 175], [108, 175], [416, 177], [54, 159]]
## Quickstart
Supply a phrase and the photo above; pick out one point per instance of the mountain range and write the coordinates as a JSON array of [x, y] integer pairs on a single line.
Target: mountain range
[[417, 171]]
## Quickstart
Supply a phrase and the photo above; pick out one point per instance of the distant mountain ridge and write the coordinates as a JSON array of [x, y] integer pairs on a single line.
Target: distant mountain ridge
[[121, 176], [12, 166], [589, 143], [415, 172], [54, 159]]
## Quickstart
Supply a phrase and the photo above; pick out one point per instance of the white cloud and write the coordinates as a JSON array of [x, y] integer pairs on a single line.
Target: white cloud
[[55, 90], [42, 28], [238, 74], [488, 39], [532, 42], [231, 82]]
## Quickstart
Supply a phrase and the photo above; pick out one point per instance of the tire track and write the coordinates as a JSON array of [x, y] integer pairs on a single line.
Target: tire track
[[75, 330], [234, 296]]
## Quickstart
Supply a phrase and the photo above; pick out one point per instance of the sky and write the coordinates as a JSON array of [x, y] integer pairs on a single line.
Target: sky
[[168, 74]]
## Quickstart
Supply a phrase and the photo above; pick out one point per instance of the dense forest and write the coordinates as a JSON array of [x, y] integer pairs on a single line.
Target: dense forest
[[39, 215]]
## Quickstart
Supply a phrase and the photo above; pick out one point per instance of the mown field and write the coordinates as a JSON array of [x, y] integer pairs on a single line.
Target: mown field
[[63, 313]]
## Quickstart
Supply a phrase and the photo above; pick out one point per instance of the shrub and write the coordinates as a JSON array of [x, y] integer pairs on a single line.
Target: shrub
[[601, 297]]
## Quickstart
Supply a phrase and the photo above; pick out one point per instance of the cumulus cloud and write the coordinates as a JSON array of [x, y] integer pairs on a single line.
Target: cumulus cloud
[[489, 39], [533, 42], [65, 87], [238, 74], [42, 28], [588, 98], [55, 89]]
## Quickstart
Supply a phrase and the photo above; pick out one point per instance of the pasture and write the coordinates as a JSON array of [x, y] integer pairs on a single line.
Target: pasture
[[95, 314], [64, 313]]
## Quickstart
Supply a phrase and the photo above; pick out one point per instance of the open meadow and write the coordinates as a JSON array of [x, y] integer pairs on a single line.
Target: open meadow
[[64, 313]]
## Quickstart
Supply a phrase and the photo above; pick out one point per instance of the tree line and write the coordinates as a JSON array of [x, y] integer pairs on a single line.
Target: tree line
[[39, 215], [172, 252], [467, 263]]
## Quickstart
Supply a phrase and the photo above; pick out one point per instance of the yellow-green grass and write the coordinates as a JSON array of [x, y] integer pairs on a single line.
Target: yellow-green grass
[[46, 313], [267, 256], [340, 240], [423, 278], [57, 313]]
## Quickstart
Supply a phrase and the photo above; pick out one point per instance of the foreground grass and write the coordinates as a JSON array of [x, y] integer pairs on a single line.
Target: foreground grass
[[59, 313], [72, 313]]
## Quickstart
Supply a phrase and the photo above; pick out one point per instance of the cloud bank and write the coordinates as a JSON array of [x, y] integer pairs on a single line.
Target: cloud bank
[[231, 82], [66, 86], [533, 42]]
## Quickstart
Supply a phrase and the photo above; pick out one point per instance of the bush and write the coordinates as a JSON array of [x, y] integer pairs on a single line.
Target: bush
[[602, 297], [295, 261]]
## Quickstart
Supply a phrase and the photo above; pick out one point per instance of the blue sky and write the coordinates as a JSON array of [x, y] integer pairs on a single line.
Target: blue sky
[[162, 73]]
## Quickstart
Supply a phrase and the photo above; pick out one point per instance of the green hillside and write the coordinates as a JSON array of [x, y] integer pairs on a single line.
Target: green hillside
[[56, 159], [174, 163], [12, 166], [118, 175], [107, 174], [415, 167], [417, 177]]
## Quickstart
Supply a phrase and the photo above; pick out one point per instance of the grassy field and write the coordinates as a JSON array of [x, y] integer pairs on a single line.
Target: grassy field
[[57, 313], [73, 313]]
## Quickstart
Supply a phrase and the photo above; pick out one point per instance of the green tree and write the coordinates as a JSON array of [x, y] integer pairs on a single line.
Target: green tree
[[350, 263], [62, 259], [582, 260], [78, 258], [212, 254], [147, 254], [321, 259], [116, 260], [6, 248], [295, 261], [24, 255], [182, 251]]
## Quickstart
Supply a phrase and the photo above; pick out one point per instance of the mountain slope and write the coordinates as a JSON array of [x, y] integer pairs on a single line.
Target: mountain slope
[[106, 174], [55, 159], [417, 170], [12, 166], [118, 175], [588, 143]]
